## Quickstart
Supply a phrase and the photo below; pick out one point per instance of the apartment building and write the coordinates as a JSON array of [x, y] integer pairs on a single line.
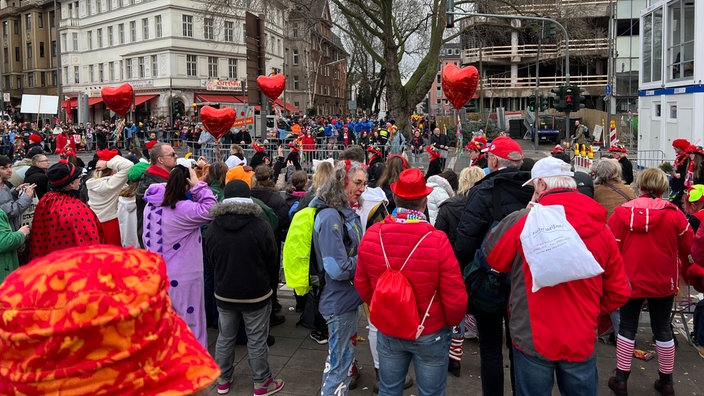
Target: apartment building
[[178, 55], [671, 96], [602, 53], [316, 61], [29, 46], [438, 104]]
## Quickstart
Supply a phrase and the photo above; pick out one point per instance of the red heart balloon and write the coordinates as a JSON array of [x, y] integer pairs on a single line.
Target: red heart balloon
[[217, 121], [118, 99], [272, 86], [458, 84]]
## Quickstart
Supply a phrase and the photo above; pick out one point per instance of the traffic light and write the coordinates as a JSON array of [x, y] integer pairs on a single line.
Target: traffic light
[[559, 102], [450, 9], [550, 30], [569, 98], [543, 103], [531, 103], [579, 98]]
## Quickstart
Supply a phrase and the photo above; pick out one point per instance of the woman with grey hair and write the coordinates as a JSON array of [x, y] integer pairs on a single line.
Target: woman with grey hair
[[336, 235], [609, 189]]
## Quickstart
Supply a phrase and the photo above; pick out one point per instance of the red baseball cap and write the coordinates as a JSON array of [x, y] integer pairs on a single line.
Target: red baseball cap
[[506, 148]]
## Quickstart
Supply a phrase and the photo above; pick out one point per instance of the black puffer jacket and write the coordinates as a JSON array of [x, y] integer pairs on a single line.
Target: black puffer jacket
[[36, 175], [449, 216], [242, 250], [477, 216], [277, 203]]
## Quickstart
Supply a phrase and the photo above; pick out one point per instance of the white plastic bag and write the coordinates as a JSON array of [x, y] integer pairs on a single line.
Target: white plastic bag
[[553, 250]]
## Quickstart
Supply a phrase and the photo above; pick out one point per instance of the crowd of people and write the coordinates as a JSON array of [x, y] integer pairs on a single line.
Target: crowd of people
[[158, 248]]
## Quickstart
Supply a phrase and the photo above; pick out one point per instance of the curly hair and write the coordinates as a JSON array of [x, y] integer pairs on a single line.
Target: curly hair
[[333, 192]]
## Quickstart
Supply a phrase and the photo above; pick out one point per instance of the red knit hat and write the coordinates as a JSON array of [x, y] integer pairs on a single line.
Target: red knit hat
[[34, 138], [411, 185], [374, 150], [96, 320], [106, 155], [150, 144], [681, 144]]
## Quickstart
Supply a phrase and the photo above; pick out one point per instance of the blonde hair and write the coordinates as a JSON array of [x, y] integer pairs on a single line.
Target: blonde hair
[[652, 181], [468, 178], [322, 172]]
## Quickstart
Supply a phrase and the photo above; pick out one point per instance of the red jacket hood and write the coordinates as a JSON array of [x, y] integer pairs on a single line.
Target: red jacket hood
[[644, 213], [585, 214]]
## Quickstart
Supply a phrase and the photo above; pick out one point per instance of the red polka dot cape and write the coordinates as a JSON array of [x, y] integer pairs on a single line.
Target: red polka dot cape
[[62, 221]]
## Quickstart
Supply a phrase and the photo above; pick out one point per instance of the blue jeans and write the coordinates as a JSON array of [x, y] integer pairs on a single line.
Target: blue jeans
[[256, 325], [341, 343], [535, 376], [429, 356]]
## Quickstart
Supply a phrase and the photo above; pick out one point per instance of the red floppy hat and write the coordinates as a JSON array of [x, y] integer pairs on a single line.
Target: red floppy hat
[[411, 185]]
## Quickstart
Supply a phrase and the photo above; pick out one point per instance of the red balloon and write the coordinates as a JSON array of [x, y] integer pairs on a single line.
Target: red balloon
[[458, 84], [118, 99], [272, 86], [217, 121]]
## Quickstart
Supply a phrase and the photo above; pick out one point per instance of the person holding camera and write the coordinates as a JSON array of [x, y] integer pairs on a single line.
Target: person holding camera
[[14, 200]]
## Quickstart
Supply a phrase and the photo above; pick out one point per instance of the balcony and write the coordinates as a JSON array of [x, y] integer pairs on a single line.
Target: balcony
[[507, 87], [69, 23], [559, 8], [507, 54]]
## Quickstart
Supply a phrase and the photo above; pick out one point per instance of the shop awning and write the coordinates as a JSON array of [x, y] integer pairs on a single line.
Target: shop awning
[[94, 101], [288, 106], [139, 99], [213, 98], [73, 102]]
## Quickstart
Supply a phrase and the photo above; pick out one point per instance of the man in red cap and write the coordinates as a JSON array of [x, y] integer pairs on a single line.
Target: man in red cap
[[407, 242], [500, 193]]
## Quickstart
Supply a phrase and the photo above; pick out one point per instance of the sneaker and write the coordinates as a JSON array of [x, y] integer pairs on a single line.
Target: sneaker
[[224, 387], [701, 351], [268, 387], [319, 337]]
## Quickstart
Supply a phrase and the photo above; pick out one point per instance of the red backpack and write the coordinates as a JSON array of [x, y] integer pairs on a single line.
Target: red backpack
[[394, 310]]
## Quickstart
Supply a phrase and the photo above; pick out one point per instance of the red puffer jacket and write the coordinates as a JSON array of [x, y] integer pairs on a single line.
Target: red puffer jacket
[[654, 238], [432, 266]]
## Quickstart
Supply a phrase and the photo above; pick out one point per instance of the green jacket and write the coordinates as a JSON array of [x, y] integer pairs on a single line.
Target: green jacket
[[9, 243]]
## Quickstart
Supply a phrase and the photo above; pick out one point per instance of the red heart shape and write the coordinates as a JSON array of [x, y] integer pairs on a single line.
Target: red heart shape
[[458, 84], [118, 99], [272, 86], [217, 121]]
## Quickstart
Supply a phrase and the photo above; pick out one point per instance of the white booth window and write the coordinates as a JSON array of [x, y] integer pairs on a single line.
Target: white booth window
[[680, 40]]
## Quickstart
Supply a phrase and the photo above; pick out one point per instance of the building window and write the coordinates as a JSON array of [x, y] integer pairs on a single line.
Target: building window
[[65, 73], [187, 21], [30, 80], [52, 20], [19, 82], [229, 31], [17, 54], [91, 73], [40, 20], [122, 75], [155, 66], [191, 62], [157, 26], [54, 82], [111, 71], [53, 48], [232, 68], [295, 57], [41, 49], [89, 10], [140, 66], [76, 75], [5, 55], [5, 28], [680, 40], [437, 79], [652, 46], [128, 64], [43, 79], [133, 31], [673, 111], [657, 113], [296, 83], [99, 6], [74, 13], [121, 33], [74, 39], [145, 28], [89, 39], [208, 28], [110, 39], [294, 31], [212, 66], [101, 72], [29, 50], [16, 26], [28, 21], [100, 38]]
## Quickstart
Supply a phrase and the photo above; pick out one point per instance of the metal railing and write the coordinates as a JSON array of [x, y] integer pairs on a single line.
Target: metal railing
[[547, 50]]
